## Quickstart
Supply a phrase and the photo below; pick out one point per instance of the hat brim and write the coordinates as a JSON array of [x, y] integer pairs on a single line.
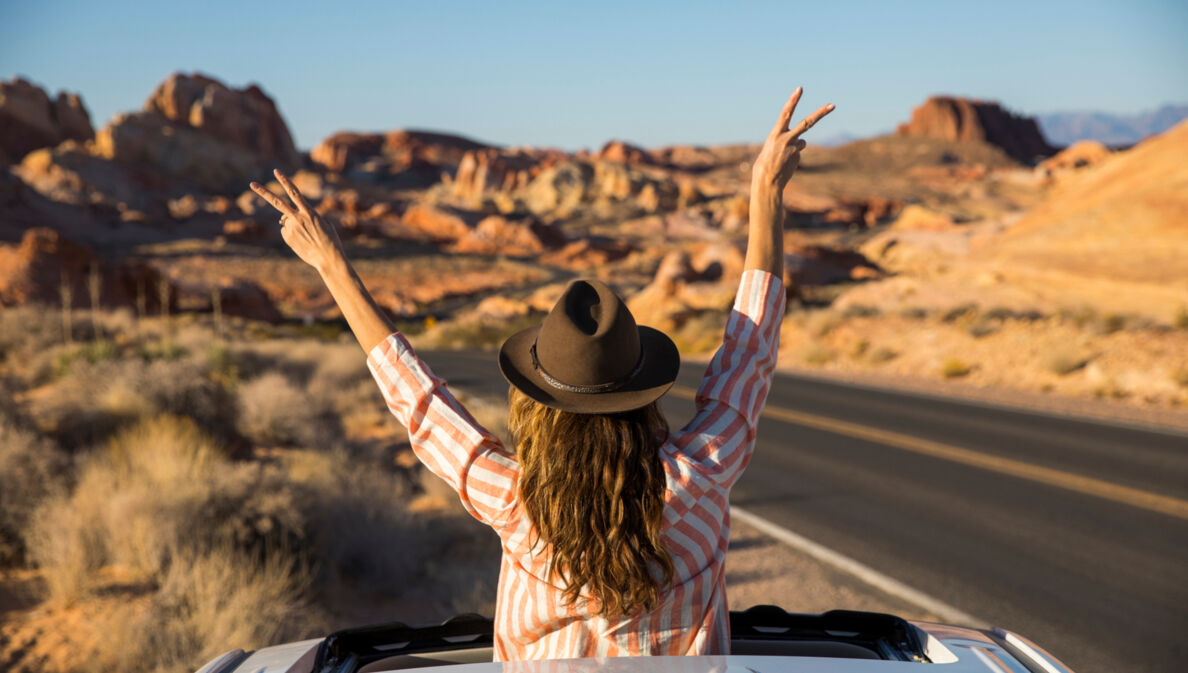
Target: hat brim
[[662, 362]]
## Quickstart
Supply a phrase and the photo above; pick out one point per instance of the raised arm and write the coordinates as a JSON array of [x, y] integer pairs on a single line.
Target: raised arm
[[718, 442], [317, 244], [774, 166], [445, 437]]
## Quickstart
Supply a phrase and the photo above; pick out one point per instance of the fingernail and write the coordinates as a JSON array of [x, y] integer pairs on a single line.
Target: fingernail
[[831, 106]]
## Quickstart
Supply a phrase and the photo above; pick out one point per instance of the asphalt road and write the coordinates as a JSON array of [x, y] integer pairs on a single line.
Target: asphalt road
[[1070, 532]]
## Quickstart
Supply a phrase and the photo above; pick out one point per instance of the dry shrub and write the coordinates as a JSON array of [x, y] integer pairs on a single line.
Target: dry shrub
[[360, 529], [882, 354], [954, 368], [816, 354], [26, 330], [95, 400], [207, 604], [274, 410], [32, 469], [1063, 364], [984, 327], [161, 489], [1180, 376], [471, 332], [1181, 319], [700, 333]]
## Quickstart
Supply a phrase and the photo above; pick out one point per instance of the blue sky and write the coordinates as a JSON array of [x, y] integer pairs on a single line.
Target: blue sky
[[576, 74]]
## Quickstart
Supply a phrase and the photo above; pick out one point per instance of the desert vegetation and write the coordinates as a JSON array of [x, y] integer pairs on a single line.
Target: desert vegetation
[[170, 492]]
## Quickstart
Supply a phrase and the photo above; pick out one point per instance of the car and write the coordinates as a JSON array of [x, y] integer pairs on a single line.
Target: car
[[763, 638]]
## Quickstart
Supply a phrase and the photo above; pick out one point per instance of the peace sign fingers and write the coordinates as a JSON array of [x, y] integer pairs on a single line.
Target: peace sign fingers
[[273, 200]]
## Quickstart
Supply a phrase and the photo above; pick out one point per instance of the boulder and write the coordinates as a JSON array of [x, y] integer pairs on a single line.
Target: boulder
[[559, 189], [586, 253], [962, 119], [245, 299], [441, 223], [246, 118], [496, 235], [29, 120], [343, 151]]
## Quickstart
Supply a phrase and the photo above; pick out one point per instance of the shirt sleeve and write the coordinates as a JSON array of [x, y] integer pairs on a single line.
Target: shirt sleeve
[[444, 436], [720, 439]]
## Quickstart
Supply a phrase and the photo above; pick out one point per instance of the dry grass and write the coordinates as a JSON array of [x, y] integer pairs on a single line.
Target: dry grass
[[32, 469], [209, 483]]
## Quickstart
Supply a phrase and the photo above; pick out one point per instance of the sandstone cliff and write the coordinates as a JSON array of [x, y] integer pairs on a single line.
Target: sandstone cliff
[[961, 119]]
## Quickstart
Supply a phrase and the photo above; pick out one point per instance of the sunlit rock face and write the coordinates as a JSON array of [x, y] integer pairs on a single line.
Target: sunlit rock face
[[197, 129], [963, 119], [30, 120]]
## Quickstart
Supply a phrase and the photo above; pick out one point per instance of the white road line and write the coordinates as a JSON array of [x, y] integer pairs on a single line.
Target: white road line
[[862, 571]]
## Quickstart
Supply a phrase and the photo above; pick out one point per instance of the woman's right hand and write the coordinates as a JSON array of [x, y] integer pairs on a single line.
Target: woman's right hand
[[313, 239], [780, 156]]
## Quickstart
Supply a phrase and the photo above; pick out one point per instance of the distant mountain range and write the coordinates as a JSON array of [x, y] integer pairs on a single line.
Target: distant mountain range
[[1065, 128]]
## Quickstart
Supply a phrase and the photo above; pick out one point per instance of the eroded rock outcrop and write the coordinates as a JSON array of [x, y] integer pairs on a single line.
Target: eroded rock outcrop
[[962, 119], [30, 120], [196, 129], [417, 157], [45, 262]]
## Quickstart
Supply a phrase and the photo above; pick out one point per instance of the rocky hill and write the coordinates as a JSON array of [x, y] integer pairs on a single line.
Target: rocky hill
[[963, 119]]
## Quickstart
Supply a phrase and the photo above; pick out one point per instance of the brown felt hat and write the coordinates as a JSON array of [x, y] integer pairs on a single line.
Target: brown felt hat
[[588, 356]]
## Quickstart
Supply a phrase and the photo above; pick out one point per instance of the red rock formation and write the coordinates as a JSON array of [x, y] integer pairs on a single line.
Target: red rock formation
[[342, 151], [30, 120], [36, 269], [496, 235], [245, 118], [441, 223], [196, 130], [588, 252], [624, 153], [397, 151], [962, 119], [245, 299]]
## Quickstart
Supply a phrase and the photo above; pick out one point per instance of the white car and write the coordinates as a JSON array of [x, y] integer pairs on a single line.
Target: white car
[[763, 638]]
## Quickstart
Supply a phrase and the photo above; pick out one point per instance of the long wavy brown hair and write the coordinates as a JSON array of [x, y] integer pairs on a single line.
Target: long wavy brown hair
[[593, 486]]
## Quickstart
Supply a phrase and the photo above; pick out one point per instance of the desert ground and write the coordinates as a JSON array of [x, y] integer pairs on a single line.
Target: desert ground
[[193, 456]]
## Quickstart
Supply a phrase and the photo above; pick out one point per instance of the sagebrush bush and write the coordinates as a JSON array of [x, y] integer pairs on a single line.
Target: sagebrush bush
[[1181, 319], [955, 368], [161, 488], [1063, 364], [206, 604], [96, 399], [32, 469], [274, 410]]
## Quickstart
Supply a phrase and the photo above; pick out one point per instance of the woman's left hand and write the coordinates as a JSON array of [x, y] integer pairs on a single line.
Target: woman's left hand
[[313, 239]]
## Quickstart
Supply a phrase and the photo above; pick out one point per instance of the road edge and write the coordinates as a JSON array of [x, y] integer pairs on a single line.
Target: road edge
[[861, 571]]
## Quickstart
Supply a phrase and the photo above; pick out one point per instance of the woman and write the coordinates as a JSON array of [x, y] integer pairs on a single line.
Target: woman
[[614, 530]]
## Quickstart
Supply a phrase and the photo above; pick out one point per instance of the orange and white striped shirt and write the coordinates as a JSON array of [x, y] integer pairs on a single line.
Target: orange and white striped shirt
[[702, 461]]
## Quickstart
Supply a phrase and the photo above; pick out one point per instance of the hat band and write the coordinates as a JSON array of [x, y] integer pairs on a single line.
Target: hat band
[[607, 387]]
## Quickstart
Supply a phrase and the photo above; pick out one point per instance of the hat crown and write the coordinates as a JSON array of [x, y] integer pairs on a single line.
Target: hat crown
[[589, 338]]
